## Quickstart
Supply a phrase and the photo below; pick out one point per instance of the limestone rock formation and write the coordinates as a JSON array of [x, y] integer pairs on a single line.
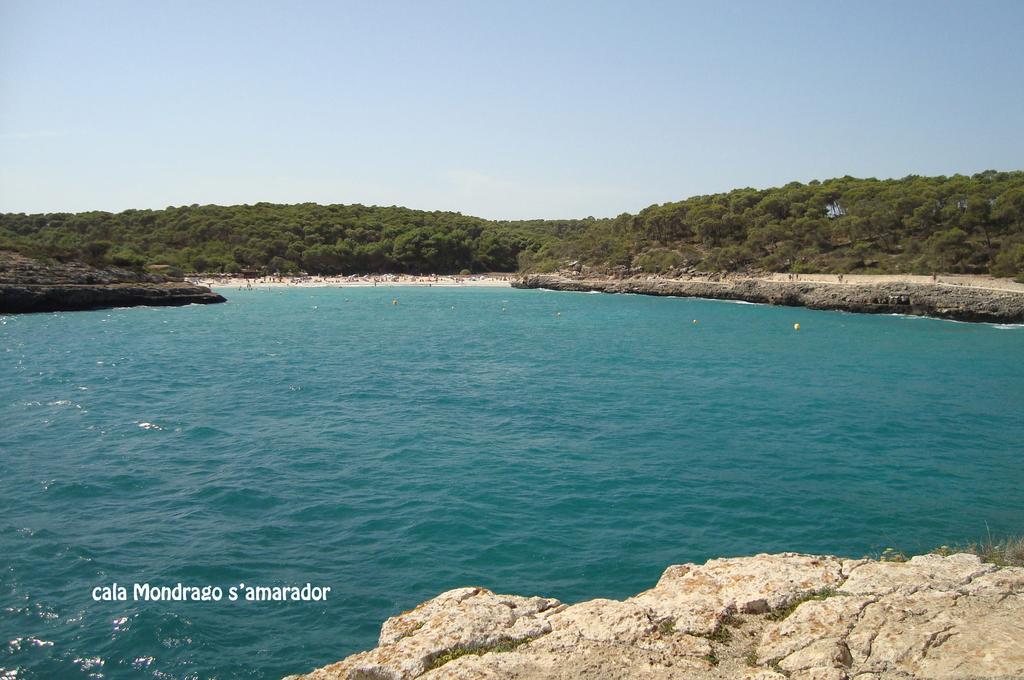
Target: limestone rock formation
[[28, 285], [961, 303], [766, 617]]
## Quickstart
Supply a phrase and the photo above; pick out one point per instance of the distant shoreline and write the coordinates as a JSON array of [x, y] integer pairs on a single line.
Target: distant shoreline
[[447, 281], [975, 299], [947, 296], [979, 281]]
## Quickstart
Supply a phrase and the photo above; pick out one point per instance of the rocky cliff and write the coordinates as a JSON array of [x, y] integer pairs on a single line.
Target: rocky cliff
[[961, 303], [28, 285], [767, 617]]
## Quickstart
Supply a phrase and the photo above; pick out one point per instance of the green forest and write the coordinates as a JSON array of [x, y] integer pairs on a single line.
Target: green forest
[[957, 224]]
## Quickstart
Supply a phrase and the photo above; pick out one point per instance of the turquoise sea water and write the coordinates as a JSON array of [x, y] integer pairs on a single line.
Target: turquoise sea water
[[461, 437]]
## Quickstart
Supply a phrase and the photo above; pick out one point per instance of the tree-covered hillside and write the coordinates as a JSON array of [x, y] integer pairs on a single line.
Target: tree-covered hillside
[[308, 237], [915, 224]]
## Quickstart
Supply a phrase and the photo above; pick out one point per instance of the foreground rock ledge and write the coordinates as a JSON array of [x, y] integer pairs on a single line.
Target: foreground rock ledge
[[766, 617], [943, 301]]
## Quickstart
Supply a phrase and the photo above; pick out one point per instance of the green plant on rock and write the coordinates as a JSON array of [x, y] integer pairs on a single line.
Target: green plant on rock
[[783, 612], [466, 650], [720, 634], [1007, 552]]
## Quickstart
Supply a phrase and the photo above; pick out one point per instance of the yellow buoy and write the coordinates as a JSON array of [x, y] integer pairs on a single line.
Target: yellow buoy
[[695, 321], [796, 326], [394, 301]]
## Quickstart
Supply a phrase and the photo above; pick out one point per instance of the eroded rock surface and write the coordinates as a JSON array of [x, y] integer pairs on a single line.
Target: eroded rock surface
[[766, 617], [931, 617], [698, 599], [461, 619]]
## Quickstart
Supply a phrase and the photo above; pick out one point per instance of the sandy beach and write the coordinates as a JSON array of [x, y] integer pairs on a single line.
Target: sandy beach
[[505, 280], [449, 281]]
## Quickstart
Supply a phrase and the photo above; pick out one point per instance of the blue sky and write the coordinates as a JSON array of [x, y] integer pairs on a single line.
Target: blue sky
[[503, 110]]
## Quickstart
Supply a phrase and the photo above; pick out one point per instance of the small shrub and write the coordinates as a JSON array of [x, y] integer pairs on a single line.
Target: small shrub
[[122, 257], [721, 634], [1009, 261], [1008, 552], [659, 260]]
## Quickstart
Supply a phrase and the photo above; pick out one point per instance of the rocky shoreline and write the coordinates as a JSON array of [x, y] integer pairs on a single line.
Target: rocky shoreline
[[28, 285], [960, 303], [767, 617]]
